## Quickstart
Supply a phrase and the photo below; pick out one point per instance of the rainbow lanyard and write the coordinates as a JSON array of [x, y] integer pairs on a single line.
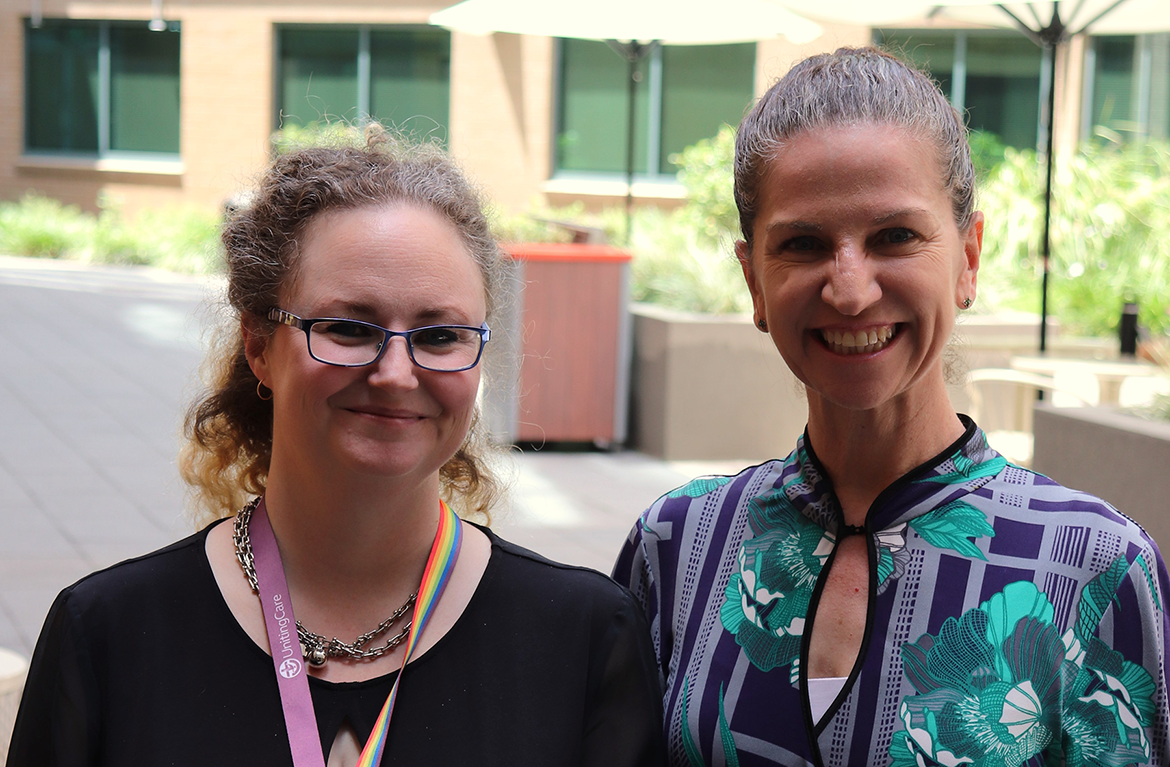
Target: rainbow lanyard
[[299, 719]]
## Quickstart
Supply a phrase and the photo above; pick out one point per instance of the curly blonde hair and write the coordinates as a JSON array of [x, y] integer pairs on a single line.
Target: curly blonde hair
[[229, 428]]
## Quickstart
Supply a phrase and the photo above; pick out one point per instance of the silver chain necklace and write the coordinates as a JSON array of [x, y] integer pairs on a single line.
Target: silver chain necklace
[[316, 648]]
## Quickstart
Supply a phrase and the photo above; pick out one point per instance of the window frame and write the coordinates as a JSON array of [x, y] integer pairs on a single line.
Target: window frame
[[959, 70], [1144, 78], [104, 154], [364, 71], [649, 175]]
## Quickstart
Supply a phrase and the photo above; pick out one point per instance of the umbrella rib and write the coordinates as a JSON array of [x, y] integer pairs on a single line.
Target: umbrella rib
[[1032, 34], [1099, 16], [1036, 15]]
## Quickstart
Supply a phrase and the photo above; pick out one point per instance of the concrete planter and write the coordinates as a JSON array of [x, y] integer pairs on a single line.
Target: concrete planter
[[713, 387], [1119, 457], [710, 387]]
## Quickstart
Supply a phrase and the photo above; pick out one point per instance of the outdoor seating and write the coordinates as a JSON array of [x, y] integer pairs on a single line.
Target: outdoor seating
[[1015, 441]]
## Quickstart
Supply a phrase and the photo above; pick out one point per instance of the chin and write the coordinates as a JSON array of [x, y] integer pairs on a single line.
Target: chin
[[861, 397]]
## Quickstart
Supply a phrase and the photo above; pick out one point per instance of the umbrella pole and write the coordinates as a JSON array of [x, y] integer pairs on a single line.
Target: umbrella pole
[[632, 55], [1046, 245]]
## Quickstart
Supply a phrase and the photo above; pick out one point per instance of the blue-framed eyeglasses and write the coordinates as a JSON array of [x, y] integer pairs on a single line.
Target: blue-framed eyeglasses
[[354, 344]]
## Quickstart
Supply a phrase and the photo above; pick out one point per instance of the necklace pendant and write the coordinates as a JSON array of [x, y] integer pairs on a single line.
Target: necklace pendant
[[316, 655]]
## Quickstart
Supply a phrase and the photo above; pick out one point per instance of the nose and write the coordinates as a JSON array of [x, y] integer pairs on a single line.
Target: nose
[[395, 369], [851, 285]]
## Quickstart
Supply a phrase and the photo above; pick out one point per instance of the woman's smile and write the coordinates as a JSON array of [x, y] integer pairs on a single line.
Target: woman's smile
[[859, 340], [857, 264]]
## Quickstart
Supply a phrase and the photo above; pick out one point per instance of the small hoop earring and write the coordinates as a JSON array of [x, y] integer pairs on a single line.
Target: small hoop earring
[[260, 394], [762, 324], [967, 302]]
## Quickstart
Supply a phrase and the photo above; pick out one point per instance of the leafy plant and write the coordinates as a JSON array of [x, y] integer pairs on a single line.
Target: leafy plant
[[179, 239], [292, 136], [705, 172], [43, 227], [1110, 236], [987, 152]]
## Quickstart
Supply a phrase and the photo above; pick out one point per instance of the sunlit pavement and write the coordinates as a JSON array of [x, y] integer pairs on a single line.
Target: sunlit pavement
[[96, 367]]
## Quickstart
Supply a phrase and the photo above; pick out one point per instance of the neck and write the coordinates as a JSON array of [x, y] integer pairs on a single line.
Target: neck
[[864, 451], [360, 536]]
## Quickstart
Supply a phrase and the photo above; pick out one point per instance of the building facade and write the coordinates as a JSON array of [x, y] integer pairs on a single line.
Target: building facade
[[145, 103]]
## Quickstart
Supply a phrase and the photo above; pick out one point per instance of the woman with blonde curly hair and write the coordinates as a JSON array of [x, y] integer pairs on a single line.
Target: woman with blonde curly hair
[[364, 282]]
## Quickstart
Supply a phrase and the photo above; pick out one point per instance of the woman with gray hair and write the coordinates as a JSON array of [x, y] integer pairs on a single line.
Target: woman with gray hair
[[894, 591]]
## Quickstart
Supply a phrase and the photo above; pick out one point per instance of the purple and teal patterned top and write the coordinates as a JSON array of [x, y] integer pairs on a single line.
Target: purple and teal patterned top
[[1012, 621]]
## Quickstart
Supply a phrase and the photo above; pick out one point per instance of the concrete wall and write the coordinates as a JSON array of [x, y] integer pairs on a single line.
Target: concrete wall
[[710, 387], [1115, 456]]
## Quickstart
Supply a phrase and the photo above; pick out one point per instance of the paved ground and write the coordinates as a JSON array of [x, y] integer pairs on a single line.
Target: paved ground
[[96, 365]]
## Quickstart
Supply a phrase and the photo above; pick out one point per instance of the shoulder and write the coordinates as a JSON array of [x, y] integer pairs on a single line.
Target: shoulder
[[1042, 497], [704, 506], [125, 585], [528, 586]]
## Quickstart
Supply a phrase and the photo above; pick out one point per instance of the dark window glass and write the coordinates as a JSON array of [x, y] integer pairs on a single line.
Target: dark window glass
[[94, 87], [144, 90], [993, 77], [1113, 81], [595, 109], [318, 75], [398, 76], [701, 88], [61, 87], [932, 52], [410, 76], [1003, 87]]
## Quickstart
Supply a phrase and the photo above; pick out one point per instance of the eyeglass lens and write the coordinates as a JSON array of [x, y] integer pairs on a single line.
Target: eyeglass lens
[[442, 347]]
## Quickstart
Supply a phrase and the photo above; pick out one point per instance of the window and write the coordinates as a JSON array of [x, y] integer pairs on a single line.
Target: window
[[993, 77], [398, 76], [1127, 87], [101, 88], [685, 93]]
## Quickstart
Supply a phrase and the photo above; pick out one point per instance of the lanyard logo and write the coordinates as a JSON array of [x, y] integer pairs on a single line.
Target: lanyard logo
[[289, 668]]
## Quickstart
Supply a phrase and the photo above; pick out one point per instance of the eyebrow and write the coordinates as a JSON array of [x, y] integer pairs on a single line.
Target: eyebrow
[[809, 226], [902, 212], [801, 226], [367, 312]]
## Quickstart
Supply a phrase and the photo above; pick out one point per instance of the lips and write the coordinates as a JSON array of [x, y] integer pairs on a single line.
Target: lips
[[862, 341], [384, 412]]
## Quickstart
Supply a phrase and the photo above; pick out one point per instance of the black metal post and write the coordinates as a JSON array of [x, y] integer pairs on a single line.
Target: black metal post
[[633, 53], [1046, 245]]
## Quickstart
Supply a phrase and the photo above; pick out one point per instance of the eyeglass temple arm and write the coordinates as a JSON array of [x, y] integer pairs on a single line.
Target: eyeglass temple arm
[[285, 318]]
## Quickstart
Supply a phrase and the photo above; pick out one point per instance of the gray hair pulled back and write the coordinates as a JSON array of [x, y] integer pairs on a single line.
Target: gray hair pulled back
[[852, 86]]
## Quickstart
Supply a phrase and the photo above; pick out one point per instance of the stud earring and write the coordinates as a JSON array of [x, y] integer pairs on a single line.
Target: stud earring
[[762, 324], [260, 394], [967, 302]]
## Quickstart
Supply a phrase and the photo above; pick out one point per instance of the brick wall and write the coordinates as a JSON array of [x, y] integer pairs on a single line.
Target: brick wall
[[501, 88]]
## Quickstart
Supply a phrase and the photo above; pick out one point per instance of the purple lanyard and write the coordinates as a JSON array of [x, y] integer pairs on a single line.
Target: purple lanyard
[[291, 677]]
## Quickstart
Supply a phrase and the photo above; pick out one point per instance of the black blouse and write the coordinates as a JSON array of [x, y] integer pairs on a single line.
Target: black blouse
[[144, 664]]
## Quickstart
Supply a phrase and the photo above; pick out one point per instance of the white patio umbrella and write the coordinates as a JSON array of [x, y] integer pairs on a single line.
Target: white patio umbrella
[[1049, 23], [632, 28]]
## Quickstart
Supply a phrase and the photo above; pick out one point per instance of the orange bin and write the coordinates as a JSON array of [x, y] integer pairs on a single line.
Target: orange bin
[[568, 326]]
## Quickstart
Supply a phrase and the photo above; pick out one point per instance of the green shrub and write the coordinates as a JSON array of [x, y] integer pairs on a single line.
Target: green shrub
[[1110, 236], [178, 239], [678, 266], [536, 225], [291, 137], [44, 228], [987, 152], [704, 170]]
